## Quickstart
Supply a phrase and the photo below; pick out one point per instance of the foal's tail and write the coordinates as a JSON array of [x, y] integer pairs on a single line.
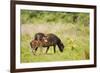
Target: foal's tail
[[31, 44]]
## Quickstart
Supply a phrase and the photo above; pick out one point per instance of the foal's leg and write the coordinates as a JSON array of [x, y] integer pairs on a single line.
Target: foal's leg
[[33, 52], [41, 50], [36, 49], [47, 49]]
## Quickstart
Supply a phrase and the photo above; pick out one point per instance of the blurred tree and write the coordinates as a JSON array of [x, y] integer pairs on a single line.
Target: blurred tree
[[33, 16]]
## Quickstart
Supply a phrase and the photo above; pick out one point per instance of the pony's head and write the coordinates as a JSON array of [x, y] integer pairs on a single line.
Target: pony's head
[[61, 47]]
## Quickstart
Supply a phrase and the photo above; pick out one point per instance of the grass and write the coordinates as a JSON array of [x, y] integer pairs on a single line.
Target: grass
[[75, 39]]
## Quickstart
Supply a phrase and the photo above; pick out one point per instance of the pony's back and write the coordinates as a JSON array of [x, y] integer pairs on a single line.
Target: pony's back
[[39, 36]]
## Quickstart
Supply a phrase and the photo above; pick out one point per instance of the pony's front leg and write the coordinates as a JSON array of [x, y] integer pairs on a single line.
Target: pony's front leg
[[54, 48]]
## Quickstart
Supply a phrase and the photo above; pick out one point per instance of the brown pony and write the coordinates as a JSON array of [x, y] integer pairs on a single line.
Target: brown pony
[[46, 40]]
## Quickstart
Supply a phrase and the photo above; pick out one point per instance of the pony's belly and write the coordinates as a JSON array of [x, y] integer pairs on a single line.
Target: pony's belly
[[47, 45]]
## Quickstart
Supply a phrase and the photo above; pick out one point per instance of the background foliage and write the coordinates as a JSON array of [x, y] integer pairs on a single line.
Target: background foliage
[[33, 17]]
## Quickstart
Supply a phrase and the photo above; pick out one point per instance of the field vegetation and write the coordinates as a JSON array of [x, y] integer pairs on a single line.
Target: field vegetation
[[71, 27]]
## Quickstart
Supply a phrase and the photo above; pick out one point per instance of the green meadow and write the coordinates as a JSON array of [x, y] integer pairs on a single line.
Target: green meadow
[[72, 28]]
